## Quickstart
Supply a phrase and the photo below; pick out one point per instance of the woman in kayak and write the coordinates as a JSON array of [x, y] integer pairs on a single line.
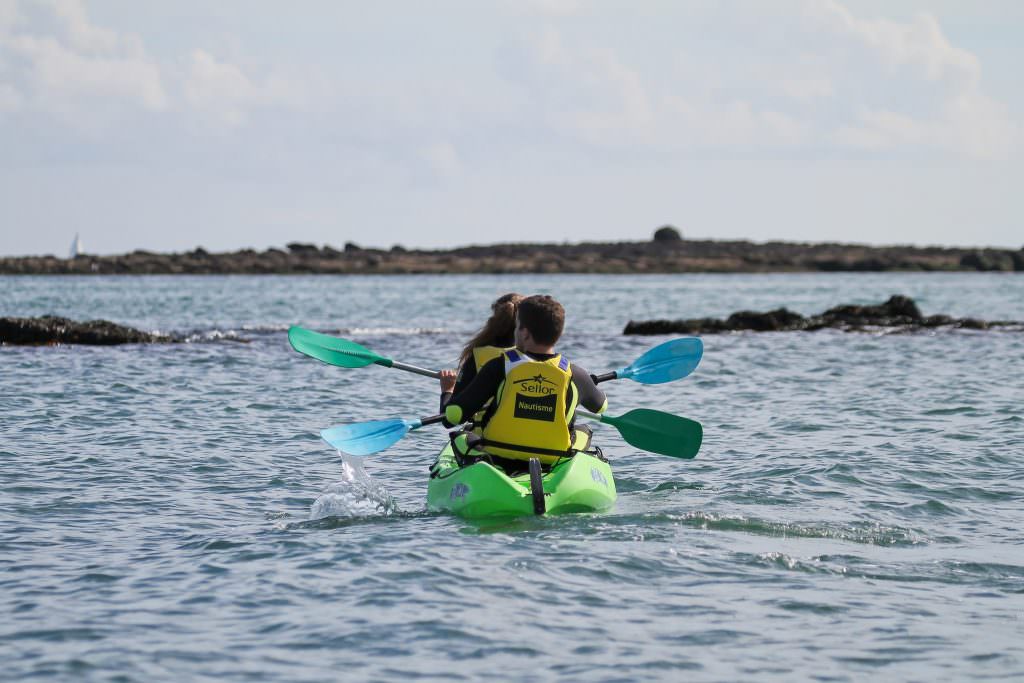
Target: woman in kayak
[[497, 334]]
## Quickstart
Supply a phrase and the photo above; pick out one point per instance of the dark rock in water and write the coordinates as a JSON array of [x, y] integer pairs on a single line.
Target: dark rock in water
[[779, 319], [51, 329], [662, 326], [898, 310], [899, 313]]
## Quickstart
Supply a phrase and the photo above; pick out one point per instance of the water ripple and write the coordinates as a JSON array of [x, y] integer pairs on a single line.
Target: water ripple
[[169, 513]]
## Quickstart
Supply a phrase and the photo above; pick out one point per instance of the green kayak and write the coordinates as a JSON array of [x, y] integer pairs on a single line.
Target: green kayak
[[582, 483]]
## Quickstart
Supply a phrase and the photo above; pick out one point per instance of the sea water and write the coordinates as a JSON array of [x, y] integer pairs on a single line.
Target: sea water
[[168, 512]]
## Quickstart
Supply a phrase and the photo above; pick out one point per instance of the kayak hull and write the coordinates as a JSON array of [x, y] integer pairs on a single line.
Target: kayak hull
[[583, 483]]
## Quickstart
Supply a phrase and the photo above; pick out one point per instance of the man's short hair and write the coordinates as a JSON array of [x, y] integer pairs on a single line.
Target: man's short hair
[[543, 317]]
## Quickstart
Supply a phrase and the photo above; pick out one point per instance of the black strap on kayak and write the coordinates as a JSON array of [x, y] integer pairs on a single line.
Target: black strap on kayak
[[462, 451], [567, 453]]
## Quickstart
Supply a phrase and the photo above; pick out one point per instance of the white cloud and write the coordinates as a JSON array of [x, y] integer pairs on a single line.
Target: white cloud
[[586, 93], [832, 79], [10, 99], [591, 94], [972, 124], [76, 66], [934, 98], [85, 74], [58, 74], [442, 158], [737, 123], [226, 92], [807, 88], [8, 16], [982, 126], [553, 8], [80, 34], [764, 78], [919, 44]]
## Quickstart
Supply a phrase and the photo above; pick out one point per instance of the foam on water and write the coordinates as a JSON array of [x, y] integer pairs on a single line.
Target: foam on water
[[355, 495]]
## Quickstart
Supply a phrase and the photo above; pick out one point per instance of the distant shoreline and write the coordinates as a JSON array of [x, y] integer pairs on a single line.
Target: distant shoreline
[[655, 256]]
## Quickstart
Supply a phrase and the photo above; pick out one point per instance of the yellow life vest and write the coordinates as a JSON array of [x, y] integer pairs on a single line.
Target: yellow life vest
[[531, 419], [482, 354]]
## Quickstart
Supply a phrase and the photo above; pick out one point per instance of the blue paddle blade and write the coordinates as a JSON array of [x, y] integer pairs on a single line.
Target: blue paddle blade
[[367, 438], [666, 362]]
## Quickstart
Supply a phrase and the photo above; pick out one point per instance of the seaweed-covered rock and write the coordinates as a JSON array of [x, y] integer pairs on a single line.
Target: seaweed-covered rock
[[899, 313], [898, 310], [772, 321], [50, 329]]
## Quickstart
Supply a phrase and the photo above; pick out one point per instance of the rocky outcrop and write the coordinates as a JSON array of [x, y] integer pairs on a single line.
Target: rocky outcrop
[[661, 255], [898, 313], [667, 233], [50, 329]]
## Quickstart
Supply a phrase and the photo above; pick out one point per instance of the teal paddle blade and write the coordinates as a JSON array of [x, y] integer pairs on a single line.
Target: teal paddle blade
[[658, 432], [666, 362], [367, 438], [333, 350]]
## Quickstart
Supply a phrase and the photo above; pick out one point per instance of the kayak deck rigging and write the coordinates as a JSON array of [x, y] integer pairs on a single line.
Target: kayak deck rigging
[[581, 483]]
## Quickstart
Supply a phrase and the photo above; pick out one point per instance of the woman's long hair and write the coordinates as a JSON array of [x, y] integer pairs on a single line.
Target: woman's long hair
[[499, 330]]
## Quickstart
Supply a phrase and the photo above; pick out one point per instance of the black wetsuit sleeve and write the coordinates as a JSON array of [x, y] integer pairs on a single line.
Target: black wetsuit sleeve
[[590, 396], [483, 386], [467, 373], [466, 376]]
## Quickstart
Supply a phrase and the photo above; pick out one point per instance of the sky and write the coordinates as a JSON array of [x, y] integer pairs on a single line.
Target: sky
[[250, 124]]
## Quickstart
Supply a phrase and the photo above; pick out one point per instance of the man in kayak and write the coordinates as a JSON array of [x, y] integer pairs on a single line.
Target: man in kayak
[[497, 335], [535, 392]]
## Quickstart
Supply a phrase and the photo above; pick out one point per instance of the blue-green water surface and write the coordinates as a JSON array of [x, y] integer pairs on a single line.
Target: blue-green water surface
[[168, 512]]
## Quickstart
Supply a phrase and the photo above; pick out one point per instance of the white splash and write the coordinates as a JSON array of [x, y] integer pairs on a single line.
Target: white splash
[[356, 495]]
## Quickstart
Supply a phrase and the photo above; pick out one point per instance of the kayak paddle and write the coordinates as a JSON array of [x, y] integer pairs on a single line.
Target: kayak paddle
[[648, 430], [666, 362], [367, 438], [344, 353], [655, 431]]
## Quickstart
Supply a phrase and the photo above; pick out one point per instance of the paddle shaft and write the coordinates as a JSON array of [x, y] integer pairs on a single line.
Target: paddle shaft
[[413, 368], [668, 361], [433, 419]]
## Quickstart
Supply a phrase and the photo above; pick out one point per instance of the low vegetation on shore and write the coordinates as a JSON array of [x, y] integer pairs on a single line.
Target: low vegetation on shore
[[666, 253]]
